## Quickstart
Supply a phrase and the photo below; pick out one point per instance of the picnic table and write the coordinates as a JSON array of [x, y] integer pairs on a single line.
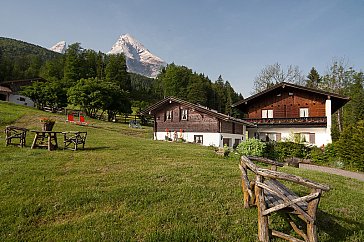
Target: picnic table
[[45, 139]]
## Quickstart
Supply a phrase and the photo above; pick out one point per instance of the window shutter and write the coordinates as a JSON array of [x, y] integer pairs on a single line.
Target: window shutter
[[312, 138], [278, 136], [264, 113]]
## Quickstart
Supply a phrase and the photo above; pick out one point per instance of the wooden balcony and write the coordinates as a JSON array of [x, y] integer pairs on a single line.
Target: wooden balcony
[[309, 121]]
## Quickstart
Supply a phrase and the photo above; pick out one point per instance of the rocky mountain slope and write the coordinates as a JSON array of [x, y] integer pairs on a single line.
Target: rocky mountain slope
[[60, 47], [138, 58]]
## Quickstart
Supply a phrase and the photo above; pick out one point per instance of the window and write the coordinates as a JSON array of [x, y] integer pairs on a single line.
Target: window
[[308, 138], [304, 138], [303, 112], [22, 99], [198, 139], [184, 114], [236, 143], [271, 137], [226, 141], [268, 136], [169, 115], [267, 113]]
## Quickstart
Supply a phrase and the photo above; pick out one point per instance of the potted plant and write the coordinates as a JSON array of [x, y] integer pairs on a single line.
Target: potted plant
[[47, 124]]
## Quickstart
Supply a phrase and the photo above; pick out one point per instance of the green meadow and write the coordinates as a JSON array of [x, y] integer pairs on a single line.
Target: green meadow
[[126, 187]]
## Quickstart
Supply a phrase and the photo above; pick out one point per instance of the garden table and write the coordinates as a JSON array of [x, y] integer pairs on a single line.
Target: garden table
[[45, 139]]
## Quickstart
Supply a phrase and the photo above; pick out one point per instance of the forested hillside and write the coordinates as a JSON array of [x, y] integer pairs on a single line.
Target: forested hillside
[[96, 75], [19, 60]]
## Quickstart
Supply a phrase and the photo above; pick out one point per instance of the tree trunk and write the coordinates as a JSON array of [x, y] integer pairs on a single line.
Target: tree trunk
[[339, 125]]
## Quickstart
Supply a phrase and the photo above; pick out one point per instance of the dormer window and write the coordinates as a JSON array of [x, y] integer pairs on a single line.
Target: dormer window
[[184, 114], [169, 115]]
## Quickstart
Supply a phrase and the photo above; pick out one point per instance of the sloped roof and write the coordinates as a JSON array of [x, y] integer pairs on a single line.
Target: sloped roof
[[15, 85], [338, 100], [151, 109], [5, 89]]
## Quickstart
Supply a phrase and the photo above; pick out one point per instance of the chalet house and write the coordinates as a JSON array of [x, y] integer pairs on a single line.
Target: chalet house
[[9, 91], [175, 119], [287, 111]]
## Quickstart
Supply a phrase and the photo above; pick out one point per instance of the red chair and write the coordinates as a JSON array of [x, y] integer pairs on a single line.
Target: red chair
[[70, 118], [82, 120]]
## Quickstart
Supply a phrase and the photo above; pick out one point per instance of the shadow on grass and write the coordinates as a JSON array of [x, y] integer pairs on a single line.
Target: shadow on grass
[[333, 226], [95, 148]]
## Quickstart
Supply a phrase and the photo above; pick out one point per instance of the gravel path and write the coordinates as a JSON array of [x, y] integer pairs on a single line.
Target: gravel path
[[355, 175]]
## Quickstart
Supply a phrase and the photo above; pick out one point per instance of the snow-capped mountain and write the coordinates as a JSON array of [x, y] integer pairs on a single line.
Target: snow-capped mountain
[[60, 47], [138, 58]]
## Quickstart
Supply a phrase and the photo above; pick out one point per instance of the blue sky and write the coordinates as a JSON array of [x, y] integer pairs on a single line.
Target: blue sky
[[236, 39]]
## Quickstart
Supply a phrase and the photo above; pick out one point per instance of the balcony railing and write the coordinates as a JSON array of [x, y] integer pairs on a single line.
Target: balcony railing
[[320, 121]]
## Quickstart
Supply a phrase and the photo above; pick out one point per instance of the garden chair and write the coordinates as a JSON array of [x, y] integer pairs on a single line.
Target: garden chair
[[70, 118], [73, 139], [13, 132], [82, 120], [270, 195]]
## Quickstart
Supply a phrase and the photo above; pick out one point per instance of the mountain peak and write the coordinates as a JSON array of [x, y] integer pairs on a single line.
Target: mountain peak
[[60, 47], [138, 58]]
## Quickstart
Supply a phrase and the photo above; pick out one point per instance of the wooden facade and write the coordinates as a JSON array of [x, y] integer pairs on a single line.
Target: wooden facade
[[286, 103], [195, 123], [197, 120], [287, 111]]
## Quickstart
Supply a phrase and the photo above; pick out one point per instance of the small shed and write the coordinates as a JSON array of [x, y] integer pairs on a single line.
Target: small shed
[[4, 93]]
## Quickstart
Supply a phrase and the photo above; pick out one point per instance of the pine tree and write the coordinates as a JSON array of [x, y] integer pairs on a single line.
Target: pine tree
[[72, 65], [197, 90], [313, 79], [116, 71], [220, 99]]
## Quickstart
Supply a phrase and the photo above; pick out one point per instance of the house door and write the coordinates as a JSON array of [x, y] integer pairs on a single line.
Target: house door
[[226, 141], [2, 97]]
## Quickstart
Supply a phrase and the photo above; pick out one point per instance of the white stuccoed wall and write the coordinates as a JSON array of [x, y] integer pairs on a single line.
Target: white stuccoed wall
[[328, 118], [209, 139], [320, 133]]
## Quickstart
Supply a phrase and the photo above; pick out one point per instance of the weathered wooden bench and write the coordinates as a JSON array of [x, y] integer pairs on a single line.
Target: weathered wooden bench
[[14, 132], [73, 139], [270, 195]]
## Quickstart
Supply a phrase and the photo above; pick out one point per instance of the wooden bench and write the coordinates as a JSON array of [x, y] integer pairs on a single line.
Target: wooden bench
[[13, 132], [270, 195], [73, 139]]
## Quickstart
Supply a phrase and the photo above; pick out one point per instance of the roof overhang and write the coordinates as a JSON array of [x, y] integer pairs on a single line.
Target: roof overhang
[[151, 110], [5, 89], [338, 100]]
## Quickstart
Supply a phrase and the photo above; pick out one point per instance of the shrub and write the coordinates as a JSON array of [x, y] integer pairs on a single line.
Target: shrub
[[318, 156], [350, 146], [252, 147], [282, 150]]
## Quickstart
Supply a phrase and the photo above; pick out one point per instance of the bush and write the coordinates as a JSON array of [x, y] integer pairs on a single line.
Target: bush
[[282, 150], [318, 156], [253, 147], [350, 146]]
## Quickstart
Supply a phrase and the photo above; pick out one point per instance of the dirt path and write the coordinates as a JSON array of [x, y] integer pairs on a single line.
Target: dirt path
[[355, 175]]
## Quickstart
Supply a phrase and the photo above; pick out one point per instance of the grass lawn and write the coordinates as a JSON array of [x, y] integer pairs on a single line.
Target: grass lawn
[[126, 187]]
